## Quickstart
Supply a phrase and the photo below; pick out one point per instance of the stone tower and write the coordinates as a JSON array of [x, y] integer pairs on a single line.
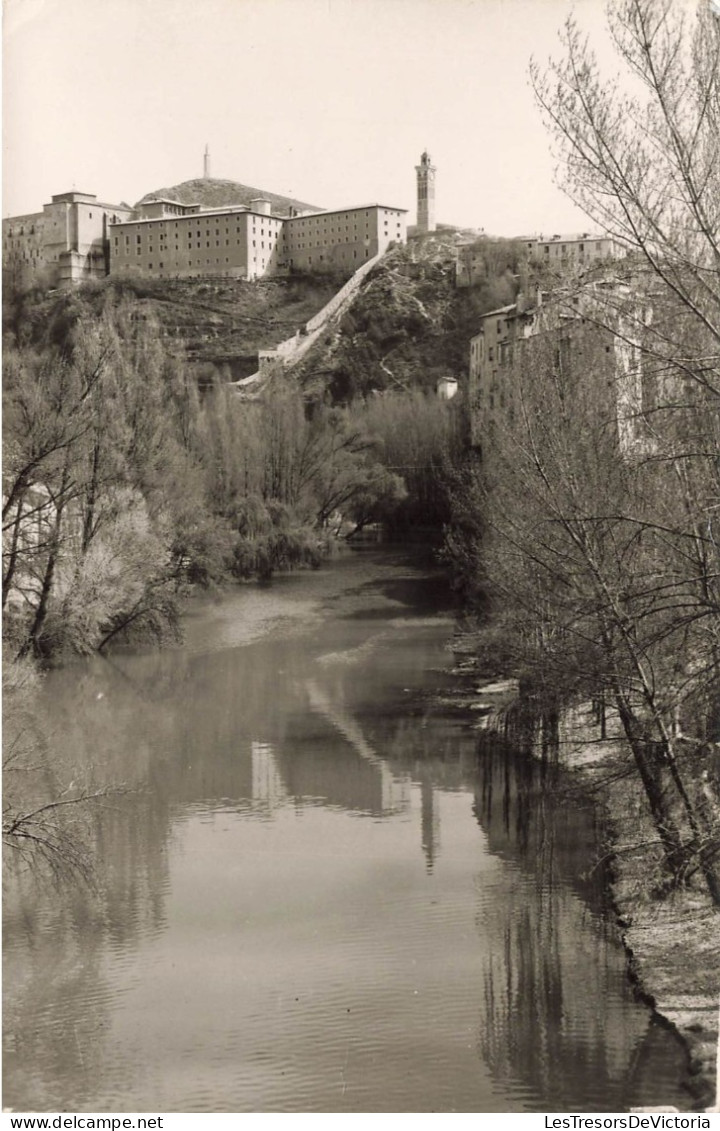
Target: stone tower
[[206, 163], [425, 194]]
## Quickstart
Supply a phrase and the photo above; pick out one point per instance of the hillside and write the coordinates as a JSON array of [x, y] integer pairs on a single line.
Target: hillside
[[408, 326], [212, 192], [220, 324]]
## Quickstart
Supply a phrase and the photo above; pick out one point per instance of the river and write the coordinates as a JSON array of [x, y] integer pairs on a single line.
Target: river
[[321, 895]]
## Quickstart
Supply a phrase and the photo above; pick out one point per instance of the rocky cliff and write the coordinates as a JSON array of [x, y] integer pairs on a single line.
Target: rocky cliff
[[408, 326]]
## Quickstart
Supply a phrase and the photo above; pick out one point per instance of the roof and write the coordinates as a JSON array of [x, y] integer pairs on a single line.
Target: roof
[[25, 218], [352, 208], [169, 200], [500, 310], [583, 237], [231, 210]]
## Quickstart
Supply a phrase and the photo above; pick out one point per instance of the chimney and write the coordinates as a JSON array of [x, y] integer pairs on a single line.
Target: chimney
[[206, 163]]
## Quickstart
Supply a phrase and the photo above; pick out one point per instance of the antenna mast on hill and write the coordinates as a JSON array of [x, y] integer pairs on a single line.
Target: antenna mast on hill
[[206, 163]]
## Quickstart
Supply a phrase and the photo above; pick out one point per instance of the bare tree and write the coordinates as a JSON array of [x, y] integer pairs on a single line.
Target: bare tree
[[641, 155], [593, 572]]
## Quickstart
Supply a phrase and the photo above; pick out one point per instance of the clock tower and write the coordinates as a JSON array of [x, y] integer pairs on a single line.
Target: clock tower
[[425, 194]]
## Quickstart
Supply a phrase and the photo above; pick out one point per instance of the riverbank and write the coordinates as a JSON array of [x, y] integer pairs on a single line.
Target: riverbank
[[672, 937]]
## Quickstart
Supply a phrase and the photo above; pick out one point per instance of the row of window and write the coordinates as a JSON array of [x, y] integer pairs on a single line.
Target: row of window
[[139, 245]]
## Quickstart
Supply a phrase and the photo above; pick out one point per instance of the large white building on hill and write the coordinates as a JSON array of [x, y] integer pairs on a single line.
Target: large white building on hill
[[250, 242], [243, 234]]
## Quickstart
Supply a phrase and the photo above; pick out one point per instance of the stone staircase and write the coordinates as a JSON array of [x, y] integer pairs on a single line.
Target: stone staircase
[[292, 350]]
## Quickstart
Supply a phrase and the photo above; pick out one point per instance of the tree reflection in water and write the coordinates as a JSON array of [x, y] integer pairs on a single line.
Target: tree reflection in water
[[559, 1017]]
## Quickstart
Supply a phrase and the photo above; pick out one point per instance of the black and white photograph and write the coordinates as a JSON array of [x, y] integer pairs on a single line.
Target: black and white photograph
[[361, 562]]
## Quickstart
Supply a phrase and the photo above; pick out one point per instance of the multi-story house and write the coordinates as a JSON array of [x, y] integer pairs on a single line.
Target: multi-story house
[[559, 254], [595, 330], [572, 251]]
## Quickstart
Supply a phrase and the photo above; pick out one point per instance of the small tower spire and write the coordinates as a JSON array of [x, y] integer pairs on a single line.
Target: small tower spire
[[206, 162], [425, 194]]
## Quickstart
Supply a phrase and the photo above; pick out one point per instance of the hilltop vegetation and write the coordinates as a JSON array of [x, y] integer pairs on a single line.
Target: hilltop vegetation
[[214, 192]]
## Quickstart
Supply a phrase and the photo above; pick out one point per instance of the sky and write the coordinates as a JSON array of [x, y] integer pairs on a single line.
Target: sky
[[329, 101]]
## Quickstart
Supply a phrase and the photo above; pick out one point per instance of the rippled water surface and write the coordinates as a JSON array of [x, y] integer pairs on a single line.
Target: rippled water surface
[[321, 896]]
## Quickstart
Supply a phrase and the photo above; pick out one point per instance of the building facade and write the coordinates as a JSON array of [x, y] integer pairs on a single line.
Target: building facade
[[344, 239], [180, 241], [249, 243], [65, 243], [584, 333], [494, 352], [573, 251], [559, 254]]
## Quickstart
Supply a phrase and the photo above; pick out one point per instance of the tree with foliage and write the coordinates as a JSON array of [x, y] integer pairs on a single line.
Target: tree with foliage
[[418, 436], [90, 461]]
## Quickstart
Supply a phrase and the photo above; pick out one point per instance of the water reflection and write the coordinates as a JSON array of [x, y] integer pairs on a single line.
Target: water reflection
[[559, 1019], [318, 899]]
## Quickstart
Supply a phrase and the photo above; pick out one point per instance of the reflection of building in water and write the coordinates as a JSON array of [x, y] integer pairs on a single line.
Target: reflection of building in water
[[429, 821], [362, 782], [267, 783], [323, 768]]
